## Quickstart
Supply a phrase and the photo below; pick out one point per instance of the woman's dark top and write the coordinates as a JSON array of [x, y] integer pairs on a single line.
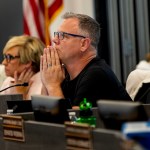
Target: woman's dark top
[[96, 81]]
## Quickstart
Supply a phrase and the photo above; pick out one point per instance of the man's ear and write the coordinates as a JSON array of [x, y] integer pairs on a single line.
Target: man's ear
[[85, 44]]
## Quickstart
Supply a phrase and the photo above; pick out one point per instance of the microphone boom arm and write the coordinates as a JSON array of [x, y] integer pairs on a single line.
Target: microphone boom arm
[[23, 84]]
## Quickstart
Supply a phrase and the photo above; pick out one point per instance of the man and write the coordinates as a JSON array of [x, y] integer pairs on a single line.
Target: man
[[83, 74]]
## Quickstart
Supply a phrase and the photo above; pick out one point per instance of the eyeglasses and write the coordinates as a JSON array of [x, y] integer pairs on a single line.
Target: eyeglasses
[[9, 57], [62, 34]]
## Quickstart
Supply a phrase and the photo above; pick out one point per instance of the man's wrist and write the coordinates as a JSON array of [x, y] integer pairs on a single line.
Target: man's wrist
[[55, 91]]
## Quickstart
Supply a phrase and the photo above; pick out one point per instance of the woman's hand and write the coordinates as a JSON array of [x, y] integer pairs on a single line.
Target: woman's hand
[[24, 77]]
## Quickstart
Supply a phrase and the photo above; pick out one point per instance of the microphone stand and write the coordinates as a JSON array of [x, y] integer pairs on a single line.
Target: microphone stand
[[23, 84]]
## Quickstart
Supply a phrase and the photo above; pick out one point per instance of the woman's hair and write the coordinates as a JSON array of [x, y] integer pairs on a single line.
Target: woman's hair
[[29, 49], [87, 26]]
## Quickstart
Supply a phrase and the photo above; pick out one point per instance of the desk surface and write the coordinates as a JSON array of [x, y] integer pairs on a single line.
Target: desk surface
[[40, 135]]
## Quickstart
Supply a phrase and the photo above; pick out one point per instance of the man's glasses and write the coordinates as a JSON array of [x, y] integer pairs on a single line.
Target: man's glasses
[[9, 57], [61, 35]]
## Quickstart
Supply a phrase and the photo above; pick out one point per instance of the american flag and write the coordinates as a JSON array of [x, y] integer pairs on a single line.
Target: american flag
[[38, 16]]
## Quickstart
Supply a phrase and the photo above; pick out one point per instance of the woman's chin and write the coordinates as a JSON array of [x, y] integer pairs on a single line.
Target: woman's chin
[[8, 74]]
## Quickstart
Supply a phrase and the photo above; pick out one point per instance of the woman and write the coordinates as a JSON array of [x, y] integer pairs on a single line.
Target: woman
[[22, 65]]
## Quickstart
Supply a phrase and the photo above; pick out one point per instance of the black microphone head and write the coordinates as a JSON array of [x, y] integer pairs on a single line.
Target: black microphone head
[[25, 84]]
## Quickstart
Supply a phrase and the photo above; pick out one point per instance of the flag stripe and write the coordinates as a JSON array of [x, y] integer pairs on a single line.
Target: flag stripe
[[55, 14], [28, 15], [37, 16], [26, 29], [36, 13], [54, 10], [56, 5]]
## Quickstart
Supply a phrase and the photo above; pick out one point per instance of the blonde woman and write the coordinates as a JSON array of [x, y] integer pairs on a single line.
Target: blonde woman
[[2, 74], [22, 65]]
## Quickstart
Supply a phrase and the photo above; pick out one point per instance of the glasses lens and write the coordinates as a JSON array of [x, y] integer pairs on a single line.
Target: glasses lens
[[55, 34], [60, 35], [8, 57]]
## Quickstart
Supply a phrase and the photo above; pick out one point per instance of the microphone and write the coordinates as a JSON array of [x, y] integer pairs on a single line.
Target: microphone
[[23, 84]]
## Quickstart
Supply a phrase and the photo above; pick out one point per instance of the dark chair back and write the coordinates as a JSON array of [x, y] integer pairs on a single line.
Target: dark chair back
[[8, 97], [143, 94]]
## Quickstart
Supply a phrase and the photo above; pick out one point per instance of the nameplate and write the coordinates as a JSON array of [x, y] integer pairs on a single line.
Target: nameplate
[[13, 128], [78, 136]]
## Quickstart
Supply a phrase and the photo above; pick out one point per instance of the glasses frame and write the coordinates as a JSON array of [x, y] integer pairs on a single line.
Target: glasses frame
[[9, 57], [61, 34]]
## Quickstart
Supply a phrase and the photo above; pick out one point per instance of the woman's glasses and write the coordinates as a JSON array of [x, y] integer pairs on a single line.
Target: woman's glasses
[[9, 57]]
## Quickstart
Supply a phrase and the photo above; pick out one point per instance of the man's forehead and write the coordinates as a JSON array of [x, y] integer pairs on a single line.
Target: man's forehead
[[70, 24]]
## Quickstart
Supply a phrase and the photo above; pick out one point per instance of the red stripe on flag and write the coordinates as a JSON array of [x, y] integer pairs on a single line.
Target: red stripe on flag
[[36, 13], [57, 4], [26, 28], [41, 3]]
